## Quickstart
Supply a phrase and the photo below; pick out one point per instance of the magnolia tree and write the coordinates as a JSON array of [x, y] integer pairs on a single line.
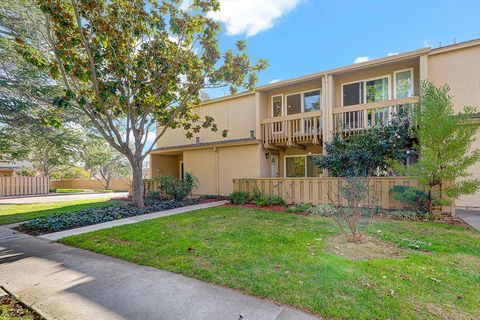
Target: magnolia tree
[[130, 66]]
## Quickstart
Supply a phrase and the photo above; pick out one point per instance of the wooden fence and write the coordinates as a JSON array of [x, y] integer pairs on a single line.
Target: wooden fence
[[316, 190], [17, 186], [115, 184]]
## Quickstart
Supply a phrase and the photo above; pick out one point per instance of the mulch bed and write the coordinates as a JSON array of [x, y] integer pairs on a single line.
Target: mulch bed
[[16, 309]]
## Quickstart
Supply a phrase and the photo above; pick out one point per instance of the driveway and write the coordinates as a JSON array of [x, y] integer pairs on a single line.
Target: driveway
[[63, 282], [58, 197], [472, 217]]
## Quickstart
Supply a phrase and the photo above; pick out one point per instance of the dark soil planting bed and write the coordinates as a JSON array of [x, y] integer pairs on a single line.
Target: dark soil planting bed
[[92, 216]]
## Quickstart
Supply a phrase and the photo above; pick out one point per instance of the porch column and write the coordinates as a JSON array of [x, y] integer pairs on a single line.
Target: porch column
[[423, 68]]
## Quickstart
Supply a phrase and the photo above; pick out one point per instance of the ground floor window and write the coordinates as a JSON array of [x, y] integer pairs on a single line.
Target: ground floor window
[[301, 166]]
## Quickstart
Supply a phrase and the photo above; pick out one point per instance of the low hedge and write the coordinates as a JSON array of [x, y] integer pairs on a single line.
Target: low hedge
[[87, 217]]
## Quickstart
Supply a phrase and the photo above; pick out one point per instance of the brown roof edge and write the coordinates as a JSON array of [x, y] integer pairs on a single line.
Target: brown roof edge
[[203, 145], [456, 46], [351, 67]]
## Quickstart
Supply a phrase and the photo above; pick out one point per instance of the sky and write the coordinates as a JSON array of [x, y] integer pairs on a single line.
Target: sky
[[300, 37]]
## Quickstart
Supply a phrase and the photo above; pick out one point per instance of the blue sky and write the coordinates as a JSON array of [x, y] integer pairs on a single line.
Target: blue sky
[[299, 37]]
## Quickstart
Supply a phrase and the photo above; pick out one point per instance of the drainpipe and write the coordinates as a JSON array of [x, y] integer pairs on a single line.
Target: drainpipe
[[217, 172]]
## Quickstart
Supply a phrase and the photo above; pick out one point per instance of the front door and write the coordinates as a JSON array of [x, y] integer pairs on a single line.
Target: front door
[[274, 165]]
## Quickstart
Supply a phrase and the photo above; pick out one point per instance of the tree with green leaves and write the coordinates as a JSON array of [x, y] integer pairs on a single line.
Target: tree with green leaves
[[369, 153], [132, 66], [31, 128], [104, 162], [70, 172], [444, 142]]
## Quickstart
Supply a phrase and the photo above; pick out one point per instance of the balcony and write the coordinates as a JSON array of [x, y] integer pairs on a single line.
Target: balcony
[[356, 118], [292, 130]]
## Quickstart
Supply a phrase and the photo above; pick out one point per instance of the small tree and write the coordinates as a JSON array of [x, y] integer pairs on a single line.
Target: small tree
[[70, 172], [351, 206], [444, 143], [104, 162], [130, 66]]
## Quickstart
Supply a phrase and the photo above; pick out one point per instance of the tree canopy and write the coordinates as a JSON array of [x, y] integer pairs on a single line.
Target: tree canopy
[[130, 66]]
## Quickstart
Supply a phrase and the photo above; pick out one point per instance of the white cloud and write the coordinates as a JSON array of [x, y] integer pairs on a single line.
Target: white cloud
[[360, 59], [392, 54], [427, 43], [275, 80], [250, 16]]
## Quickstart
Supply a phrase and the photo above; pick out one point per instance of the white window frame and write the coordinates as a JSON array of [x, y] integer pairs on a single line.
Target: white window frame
[[283, 104], [364, 81], [395, 81], [302, 104], [295, 156]]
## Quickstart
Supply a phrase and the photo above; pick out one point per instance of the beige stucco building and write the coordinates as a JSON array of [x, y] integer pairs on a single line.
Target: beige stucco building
[[274, 131]]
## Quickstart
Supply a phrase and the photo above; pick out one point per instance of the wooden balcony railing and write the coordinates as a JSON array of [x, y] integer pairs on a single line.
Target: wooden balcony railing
[[292, 129], [354, 119]]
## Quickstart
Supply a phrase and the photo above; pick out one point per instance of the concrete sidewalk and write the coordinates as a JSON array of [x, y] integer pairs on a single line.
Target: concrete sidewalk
[[62, 282], [472, 217], [106, 225]]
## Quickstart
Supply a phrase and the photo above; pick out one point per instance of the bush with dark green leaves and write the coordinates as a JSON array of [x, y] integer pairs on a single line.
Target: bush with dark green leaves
[[177, 189], [239, 197], [266, 200], [415, 199], [154, 195]]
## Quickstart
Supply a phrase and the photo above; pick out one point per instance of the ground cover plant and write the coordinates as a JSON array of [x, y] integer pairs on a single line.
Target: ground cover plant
[[284, 257], [11, 213], [86, 217]]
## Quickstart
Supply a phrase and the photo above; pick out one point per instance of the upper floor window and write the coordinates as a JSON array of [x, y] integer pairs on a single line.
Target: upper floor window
[[277, 106], [365, 91], [307, 101], [311, 101], [403, 84], [294, 103]]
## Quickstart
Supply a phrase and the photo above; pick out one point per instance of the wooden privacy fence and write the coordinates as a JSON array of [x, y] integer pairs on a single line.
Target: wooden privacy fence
[[316, 190], [18, 186], [115, 184]]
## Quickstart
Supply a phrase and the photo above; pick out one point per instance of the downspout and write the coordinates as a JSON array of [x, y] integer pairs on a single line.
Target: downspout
[[217, 172]]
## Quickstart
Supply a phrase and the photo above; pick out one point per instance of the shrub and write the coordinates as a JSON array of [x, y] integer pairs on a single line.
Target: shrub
[[178, 189], [352, 207], [323, 210], [255, 194], [300, 207], [239, 197], [266, 200], [415, 199], [403, 214], [154, 194]]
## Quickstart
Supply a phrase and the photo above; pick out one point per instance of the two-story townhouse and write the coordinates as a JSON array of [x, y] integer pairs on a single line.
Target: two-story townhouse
[[275, 130]]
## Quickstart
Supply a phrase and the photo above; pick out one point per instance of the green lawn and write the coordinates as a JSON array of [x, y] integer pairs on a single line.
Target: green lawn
[[68, 190], [10, 213], [281, 257]]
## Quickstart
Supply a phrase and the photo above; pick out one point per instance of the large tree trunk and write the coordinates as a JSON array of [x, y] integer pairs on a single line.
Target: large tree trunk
[[137, 183]]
